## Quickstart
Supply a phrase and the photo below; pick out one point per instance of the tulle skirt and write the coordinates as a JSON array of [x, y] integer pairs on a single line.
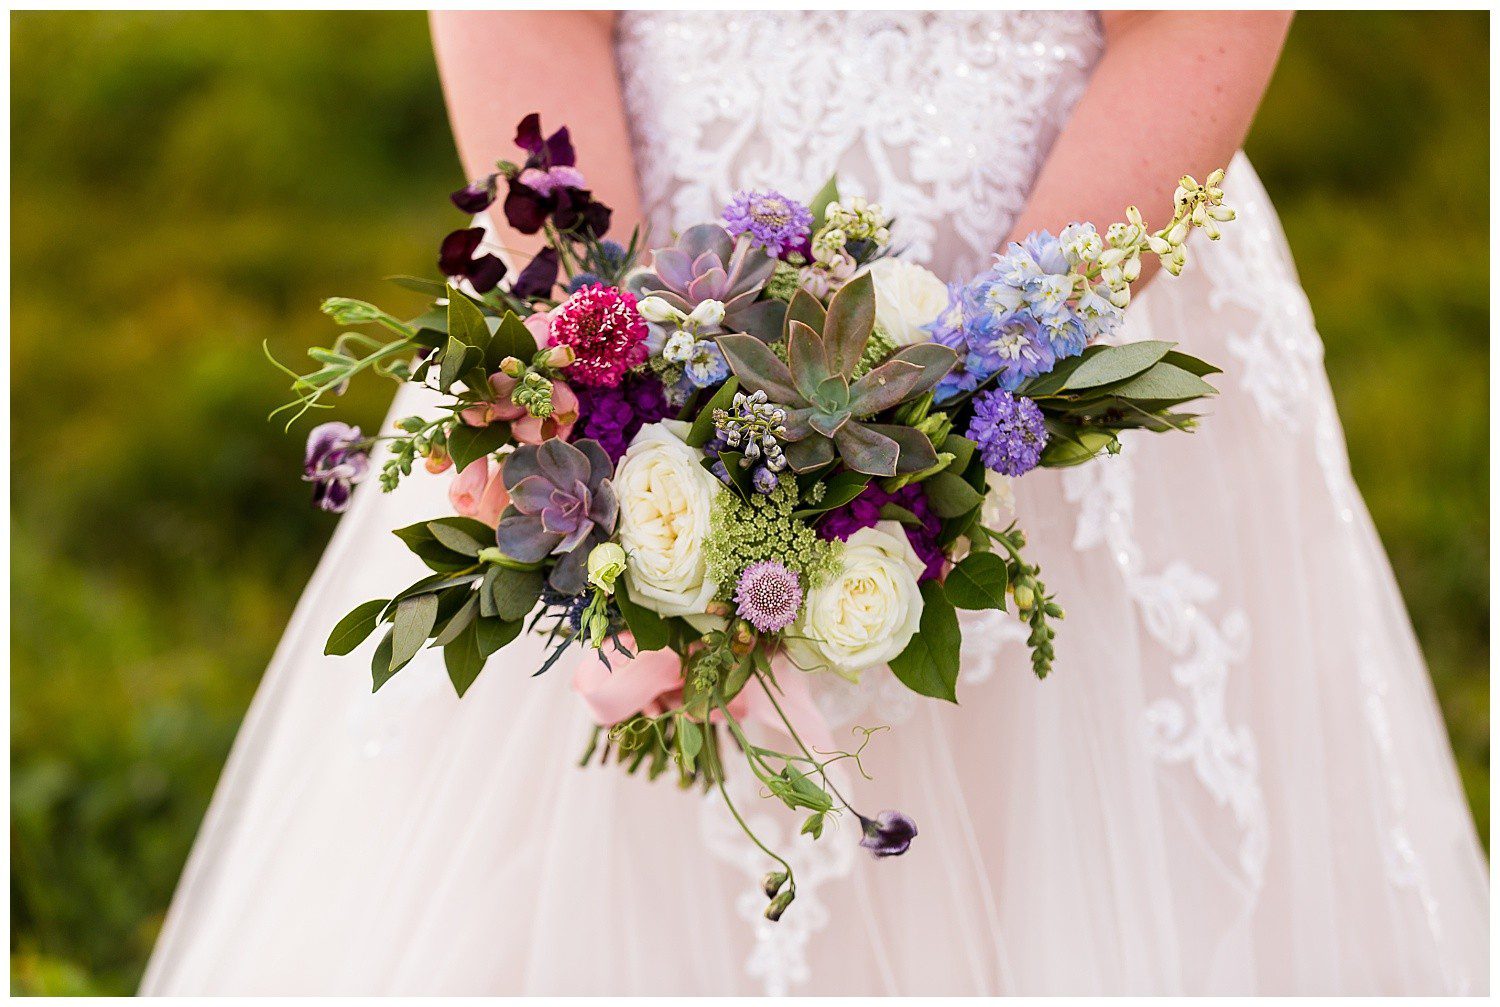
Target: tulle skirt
[[1235, 781]]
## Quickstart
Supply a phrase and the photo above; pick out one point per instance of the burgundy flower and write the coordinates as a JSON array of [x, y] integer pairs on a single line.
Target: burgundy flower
[[557, 149], [538, 278], [549, 187], [456, 259], [476, 196]]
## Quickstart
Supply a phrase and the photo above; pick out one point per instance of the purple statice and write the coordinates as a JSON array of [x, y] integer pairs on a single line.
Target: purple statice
[[888, 834], [613, 416], [864, 512], [768, 596], [774, 222], [1009, 431], [336, 459]]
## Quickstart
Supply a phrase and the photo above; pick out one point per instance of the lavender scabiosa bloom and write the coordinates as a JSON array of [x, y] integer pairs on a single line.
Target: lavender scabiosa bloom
[[774, 222], [334, 462], [888, 834], [768, 596], [1009, 431]]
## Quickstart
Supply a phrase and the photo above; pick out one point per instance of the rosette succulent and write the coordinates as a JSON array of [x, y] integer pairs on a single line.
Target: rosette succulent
[[707, 264], [827, 408], [561, 503]]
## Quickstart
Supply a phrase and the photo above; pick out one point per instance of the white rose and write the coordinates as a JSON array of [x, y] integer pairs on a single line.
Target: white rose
[[907, 297], [665, 500], [867, 612]]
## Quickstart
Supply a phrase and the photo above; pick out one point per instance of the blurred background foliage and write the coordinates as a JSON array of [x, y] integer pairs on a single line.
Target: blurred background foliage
[[185, 185]]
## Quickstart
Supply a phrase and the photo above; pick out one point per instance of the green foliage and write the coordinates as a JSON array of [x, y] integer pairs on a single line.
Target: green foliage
[[189, 195]]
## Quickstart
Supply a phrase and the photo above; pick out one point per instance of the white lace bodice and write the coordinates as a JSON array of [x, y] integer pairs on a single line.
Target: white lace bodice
[[942, 117]]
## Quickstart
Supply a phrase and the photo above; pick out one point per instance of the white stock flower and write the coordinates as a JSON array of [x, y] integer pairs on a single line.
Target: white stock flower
[[907, 297], [665, 497], [867, 612]]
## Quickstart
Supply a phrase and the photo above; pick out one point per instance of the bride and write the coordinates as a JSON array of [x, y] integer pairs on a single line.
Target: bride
[[1236, 780]]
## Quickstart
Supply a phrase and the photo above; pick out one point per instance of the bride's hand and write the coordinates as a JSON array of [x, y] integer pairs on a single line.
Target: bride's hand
[[1173, 94]]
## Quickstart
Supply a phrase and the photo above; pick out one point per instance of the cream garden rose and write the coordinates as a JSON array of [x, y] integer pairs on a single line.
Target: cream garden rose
[[907, 297], [666, 497], [867, 612]]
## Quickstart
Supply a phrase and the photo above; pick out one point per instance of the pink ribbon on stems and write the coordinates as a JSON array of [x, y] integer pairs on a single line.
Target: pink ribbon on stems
[[641, 685]]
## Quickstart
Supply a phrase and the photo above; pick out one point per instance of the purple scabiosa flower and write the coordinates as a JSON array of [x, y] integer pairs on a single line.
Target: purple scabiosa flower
[[476, 196], [613, 416], [1009, 431], [334, 462], [888, 834], [456, 260], [774, 222], [768, 596], [864, 512]]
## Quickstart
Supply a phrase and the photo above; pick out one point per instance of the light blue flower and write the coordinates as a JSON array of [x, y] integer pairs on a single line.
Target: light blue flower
[[706, 366]]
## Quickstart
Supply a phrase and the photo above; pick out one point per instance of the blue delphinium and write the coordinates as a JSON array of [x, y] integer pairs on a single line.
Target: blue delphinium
[[947, 329], [1009, 432], [1008, 345]]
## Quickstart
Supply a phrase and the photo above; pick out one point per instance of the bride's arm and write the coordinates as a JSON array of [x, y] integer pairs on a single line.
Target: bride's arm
[[1173, 94], [498, 66]]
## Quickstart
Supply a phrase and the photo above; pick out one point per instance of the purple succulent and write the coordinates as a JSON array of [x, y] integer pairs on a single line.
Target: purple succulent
[[561, 504], [336, 459], [456, 259], [888, 834], [708, 264]]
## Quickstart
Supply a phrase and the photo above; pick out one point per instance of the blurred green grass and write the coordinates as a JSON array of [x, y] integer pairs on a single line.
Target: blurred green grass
[[185, 185]]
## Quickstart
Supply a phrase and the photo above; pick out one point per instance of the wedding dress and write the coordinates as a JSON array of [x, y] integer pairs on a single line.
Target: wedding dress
[[1235, 781]]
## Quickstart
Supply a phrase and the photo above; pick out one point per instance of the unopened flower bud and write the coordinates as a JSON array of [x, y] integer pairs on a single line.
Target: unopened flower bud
[[779, 903], [771, 883], [1025, 597], [657, 309], [513, 367], [606, 564], [438, 460], [707, 314], [347, 311]]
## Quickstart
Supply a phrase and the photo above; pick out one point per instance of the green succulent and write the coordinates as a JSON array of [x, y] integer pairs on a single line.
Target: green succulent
[[827, 407]]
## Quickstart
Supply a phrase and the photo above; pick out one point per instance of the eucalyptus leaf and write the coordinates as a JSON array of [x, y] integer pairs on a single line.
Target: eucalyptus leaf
[[414, 620], [950, 495], [459, 621], [1165, 381], [353, 628], [1116, 363], [494, 634], [463, 659], [516, 593], [460, 540]]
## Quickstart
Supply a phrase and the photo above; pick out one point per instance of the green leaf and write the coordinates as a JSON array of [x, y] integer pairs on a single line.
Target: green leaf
[[1165, 382], [929, 664], [978, 582], [466, 322], [1191, 364], [511, 339], [415, 617], [804, 308], [516, 593], [493, 634], [1116, 363], [456, 359], [487, 591], [432, 288], [380, 663], [1075, 448], [961, 448], [703, 424], [649, 629], [463, 535], [463, 659], [468, 444], [895, 512], [814, 825], [459, 622], [420, 540], [819, 206], [354, 627], [837, 491], [950, 495]]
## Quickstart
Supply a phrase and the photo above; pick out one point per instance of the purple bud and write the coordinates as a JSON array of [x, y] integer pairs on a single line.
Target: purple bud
[[336, 459], [764, 479], [888, 834]]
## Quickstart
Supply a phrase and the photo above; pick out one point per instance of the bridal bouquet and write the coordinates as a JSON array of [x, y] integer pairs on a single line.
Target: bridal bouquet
[[767, 450]]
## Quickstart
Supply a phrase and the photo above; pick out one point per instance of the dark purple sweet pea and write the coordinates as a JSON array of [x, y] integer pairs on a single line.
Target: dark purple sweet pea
[[550, 187], [539, 276], [456, 259], [577, 210], [561, 504], [476, 196], [557, 149], [336, 459], [888, 834]]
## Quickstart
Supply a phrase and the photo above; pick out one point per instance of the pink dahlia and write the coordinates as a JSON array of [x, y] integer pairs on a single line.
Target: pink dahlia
[[606, 332]]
